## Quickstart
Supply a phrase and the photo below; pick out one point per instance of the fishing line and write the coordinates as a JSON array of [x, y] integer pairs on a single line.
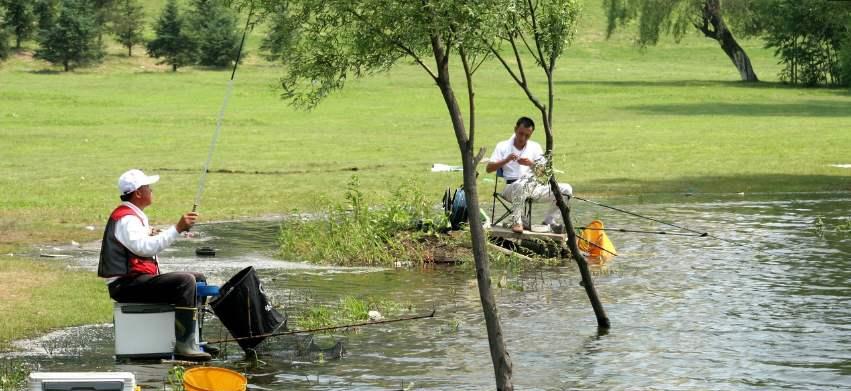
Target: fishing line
[[640, 231], [699, 234], [228, 92], [344, 326], [595, 245]]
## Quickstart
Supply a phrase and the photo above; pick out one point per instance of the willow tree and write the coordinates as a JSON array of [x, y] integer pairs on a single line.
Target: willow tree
[[676, 17], [542, 29], [340, 39]]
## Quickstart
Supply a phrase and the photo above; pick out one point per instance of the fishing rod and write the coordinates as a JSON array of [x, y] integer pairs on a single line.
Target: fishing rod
[[344, 326], [699, 234], [228, 92], [640, 231]]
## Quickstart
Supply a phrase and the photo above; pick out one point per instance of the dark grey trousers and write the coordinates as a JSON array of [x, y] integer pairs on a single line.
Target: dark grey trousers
[[177, 288]]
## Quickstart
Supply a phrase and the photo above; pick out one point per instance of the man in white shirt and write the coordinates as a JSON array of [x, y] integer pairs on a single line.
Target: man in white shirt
[[516, 157], [128, 261]]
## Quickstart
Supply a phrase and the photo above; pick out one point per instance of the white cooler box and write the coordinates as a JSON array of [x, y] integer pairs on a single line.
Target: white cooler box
[[143, 330], [88, 381]]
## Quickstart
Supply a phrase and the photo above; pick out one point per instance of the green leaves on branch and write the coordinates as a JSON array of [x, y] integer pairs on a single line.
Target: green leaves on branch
[[323, 43], [811, 38], [654, 17]]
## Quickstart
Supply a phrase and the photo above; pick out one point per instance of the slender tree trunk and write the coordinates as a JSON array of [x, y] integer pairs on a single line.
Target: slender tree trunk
[[499, 354], [67, 65], [587, 281], [738, 56], [129, 50], [581, 263], [713, 26], [174, 67]]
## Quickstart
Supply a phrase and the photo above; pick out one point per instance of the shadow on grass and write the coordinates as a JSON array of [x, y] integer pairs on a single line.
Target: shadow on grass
[[803, 109], [675, 83], [765, 183], [46, 72]]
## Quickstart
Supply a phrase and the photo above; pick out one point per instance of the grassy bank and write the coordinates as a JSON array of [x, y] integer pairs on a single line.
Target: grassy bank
[[669, 119], [40, 295]]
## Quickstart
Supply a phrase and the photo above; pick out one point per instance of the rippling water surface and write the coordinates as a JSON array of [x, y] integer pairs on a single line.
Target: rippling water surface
[[687, 313]]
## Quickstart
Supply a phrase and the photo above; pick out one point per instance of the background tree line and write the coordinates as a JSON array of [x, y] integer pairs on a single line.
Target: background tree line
[[811, 38], [71, 32]]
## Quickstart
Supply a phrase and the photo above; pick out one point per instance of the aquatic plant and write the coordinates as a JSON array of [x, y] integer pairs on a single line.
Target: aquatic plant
[[349, 310], [13, 374], [360, 232], [175, 377]]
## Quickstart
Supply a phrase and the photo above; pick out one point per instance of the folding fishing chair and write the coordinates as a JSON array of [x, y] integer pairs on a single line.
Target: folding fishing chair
[[506, 204]]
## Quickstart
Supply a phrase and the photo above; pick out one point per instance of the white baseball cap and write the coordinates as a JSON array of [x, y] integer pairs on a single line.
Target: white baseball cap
[[132, 180]]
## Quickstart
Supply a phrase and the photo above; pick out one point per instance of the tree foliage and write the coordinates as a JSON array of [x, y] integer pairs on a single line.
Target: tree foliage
[[19, 19], [45, 14], [4, 37], [104, 11], [677, 17], [281, 34], [128, 24], [809, 37], [654, 17], [172, 43], [72, 40], [213, 27]]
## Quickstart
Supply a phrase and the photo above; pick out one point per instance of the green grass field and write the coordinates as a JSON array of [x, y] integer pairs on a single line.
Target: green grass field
[[671, 118], [667, 119]]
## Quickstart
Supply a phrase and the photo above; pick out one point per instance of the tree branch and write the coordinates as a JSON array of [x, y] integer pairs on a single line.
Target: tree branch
[[517, 57], [535, 31], [395, 42], [468, 74], [506, 66]]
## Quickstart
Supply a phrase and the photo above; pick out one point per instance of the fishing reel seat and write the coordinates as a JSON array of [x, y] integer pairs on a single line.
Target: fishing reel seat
[[507, 205]]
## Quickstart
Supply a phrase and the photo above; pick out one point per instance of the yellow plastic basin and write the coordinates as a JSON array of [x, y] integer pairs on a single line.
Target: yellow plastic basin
[[213, 379]]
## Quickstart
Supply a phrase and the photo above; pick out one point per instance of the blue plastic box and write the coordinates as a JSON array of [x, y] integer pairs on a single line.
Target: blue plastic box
[[203, 290]]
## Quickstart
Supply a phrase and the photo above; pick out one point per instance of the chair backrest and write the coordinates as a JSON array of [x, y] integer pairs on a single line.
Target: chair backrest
[[499, 173]]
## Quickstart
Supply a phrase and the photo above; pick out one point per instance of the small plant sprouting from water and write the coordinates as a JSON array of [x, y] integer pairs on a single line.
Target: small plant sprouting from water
[[844, 227], [13, 374], [818, 225], [175, 377], [821, 228], [349, 310]]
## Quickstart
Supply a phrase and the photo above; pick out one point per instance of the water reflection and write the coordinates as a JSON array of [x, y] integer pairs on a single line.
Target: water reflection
[[687, 313]]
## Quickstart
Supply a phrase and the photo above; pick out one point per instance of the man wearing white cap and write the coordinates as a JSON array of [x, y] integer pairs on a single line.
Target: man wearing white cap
[[128, 260]]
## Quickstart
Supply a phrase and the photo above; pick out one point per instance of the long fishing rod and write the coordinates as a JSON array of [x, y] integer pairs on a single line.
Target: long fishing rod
[[222, 112], [700, 234], [344, 326]]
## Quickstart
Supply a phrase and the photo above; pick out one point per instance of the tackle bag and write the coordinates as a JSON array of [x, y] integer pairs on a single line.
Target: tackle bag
[[245, 311]]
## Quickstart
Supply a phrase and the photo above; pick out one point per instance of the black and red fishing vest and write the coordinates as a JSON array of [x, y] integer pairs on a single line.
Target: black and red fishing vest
[[115, 259]]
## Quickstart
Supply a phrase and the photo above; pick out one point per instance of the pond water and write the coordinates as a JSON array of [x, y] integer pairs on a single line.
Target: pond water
[[687, 313]]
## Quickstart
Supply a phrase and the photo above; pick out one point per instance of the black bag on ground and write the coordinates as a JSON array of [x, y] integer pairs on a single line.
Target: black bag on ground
[[244, 309], [458, 213]]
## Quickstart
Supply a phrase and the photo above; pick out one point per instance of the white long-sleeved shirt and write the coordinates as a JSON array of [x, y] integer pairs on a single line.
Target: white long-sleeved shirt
[[514, 170], [136, 235]]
